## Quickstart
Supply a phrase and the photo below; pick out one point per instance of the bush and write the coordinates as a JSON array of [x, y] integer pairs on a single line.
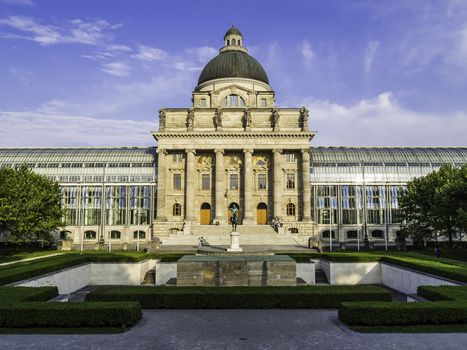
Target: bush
[[306, 297], [443, 293], [452, 271], [17, 294], [399, 314], [38, 314]]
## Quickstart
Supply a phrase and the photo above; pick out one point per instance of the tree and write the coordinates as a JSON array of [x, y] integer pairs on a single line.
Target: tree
[[436, 204], [30, 205]]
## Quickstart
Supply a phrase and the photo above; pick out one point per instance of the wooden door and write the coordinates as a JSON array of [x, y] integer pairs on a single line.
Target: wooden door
[[262, 214], [205, 214]]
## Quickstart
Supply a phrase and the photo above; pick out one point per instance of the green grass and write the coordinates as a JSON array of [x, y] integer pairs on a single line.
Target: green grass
[[425, 328], [300, 297], [443, 293], [26, 255]]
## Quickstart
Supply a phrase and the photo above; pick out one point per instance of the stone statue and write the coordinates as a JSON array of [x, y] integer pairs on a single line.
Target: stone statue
[[304, 113], [234, 217], [190, 119], [218, 118], [275, 118], [246, 119], [162, 119]]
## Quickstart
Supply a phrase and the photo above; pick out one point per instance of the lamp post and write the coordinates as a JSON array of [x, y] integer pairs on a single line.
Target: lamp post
[[330, 227]]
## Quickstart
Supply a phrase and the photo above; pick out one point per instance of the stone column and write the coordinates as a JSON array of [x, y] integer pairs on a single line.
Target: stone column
[[220, 186], [190, 185], [161, 175], [278, 179], [306, 193], [248, 217]]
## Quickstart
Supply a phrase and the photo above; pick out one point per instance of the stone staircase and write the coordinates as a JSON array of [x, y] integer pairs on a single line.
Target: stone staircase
[[220, 235], [320, 277]]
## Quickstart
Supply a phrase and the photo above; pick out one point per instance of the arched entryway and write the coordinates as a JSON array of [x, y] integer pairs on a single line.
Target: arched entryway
[[262, 214], [205, 214]]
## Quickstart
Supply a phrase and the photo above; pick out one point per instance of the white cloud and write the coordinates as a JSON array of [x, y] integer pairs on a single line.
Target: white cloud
[[76, 31], [117, 69], [19, 2], [202, 54], [370, 54], [148, 53], [382, 121], [307, 52], [34, 128]]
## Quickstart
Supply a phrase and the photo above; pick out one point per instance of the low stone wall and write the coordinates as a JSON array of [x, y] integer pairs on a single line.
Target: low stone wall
[[407, 281], [306, 271], [165, 271], [71, 279]]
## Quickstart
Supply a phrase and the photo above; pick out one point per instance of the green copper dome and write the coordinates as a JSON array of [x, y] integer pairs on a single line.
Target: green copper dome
[[233, 64], [233, 30]]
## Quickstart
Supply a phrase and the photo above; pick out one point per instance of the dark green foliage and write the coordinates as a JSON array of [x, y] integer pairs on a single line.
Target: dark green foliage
[[17, 294], [443, 293], [309, 297], [30, 205], [457, 272], [436, 204], [38, 314], [397, 314]]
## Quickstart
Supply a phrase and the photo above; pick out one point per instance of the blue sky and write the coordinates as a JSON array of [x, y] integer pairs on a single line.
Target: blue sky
[[372, 73]]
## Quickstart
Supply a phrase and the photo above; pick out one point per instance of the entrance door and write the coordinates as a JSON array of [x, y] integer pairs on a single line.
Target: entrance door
[[205, 214], [262, 214]]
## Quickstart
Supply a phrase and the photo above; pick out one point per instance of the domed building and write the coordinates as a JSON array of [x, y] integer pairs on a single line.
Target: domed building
[[233, 153]]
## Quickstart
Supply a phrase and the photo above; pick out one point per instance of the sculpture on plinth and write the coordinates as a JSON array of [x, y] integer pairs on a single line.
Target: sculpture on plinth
[[234, 236]]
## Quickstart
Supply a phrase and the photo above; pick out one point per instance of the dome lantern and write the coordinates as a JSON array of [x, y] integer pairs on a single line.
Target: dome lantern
[[233, 38]]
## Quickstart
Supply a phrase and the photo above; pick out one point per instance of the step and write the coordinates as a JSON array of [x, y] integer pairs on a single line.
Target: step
[[320, 277]]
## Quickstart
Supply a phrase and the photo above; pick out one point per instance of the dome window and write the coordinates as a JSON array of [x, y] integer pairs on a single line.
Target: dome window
[[233, 101]]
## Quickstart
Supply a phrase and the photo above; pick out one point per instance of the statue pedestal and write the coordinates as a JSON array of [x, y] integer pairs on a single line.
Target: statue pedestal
[[234, 242]]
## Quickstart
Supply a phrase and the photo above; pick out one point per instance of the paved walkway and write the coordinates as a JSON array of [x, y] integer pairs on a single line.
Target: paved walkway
[[238, 329]]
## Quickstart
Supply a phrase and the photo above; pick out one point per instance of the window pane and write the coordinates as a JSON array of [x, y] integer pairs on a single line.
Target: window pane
[[262, 181], [290, 181], [234, 181], [177, 181], [205, 182]]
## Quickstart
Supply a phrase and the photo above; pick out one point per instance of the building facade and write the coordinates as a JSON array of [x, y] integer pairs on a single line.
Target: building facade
[[232, 148]]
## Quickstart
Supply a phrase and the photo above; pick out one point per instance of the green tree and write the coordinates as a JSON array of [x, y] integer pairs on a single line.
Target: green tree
[[30, 205], [436, 204]]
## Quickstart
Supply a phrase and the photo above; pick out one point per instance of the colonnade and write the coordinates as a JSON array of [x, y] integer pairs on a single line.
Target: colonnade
[[220, 186]]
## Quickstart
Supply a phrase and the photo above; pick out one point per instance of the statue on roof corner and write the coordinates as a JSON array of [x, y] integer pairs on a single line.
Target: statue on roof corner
[[190, 119], [162, 119], [275, 118], [304, 114], [246, 118], [218, 118]]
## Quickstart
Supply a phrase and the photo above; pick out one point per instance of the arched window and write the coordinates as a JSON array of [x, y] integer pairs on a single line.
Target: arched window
[[114, 234], [177, 210], [90, 234], [377, 234], [234, 42], [325, 234], [290, 209], [233, 101], [352, 234], [294, 230], [228, 42], [141, 234]]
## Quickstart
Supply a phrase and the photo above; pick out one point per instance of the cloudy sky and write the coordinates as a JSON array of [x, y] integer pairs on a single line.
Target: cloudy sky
[[372, 73]]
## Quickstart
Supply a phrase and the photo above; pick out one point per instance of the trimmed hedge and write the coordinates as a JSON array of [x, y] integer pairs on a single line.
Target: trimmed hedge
[[452, 271], [32, 268], [306, 297], [39, 314], [399, 314], [443, 293], [17, 294]]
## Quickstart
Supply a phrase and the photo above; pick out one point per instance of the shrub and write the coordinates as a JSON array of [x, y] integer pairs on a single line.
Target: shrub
[[399, 314], [17, 294], [311, 297], [443, 293], [443, 269], [39, 314]]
